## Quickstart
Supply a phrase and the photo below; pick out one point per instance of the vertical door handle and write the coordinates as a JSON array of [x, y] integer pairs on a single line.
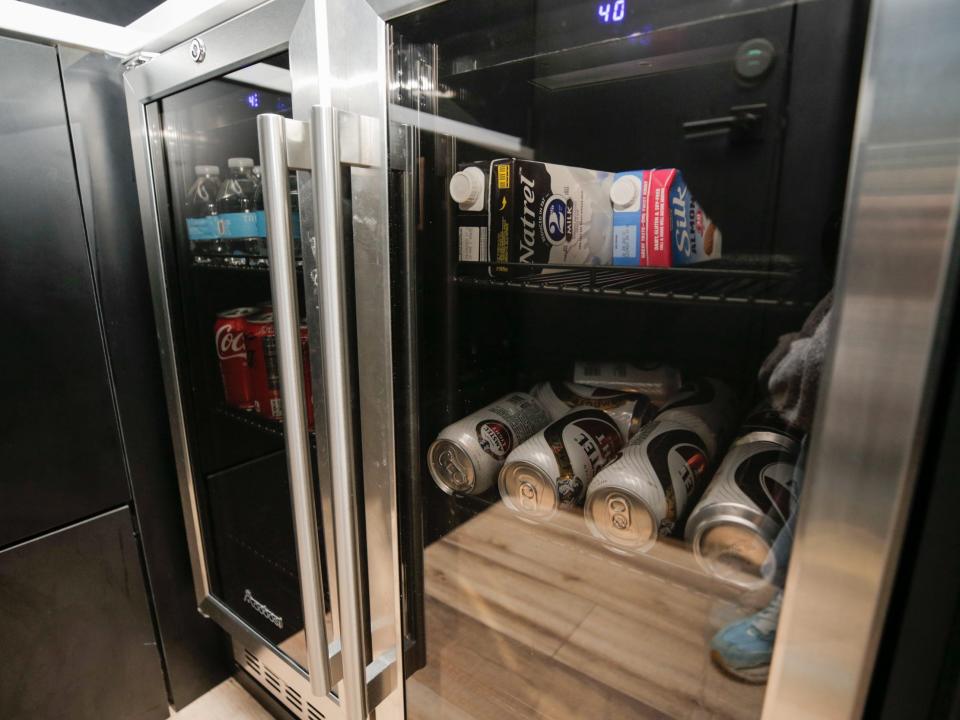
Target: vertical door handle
[[283, 284], [334, 148]]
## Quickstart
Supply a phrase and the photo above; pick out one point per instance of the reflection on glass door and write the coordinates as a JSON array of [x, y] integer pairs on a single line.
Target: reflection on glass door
[[620, 276], [227, 343]]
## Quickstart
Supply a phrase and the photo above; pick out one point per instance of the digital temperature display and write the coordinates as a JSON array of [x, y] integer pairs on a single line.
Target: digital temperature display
[[612, 12]]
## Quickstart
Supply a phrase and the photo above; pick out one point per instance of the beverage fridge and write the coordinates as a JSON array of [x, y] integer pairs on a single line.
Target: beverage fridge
[[562, 359]]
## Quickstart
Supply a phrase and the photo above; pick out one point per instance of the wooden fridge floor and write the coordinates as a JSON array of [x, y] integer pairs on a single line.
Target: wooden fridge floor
[[529, 621]]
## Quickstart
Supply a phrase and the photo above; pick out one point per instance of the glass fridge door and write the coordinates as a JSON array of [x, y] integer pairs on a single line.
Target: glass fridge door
[[232, 313], [617, 227]]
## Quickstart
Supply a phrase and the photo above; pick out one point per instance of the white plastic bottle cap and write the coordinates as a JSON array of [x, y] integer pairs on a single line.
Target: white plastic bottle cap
[[206, 170], [626, 191], [466, 188], [256, 170], [240, 162]]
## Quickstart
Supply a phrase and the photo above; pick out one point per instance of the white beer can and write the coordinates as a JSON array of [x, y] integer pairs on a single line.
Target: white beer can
[[643, 494], [551, 470], [706, 406], [746, 505], [466, 456], [630, 411]]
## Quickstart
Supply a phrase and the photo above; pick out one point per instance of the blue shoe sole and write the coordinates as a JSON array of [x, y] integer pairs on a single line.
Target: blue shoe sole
[[754, 675]]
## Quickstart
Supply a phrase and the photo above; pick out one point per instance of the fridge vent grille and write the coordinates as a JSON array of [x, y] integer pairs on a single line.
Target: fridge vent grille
[[252, 663], [293, 697], [272, 679], [280, 681]]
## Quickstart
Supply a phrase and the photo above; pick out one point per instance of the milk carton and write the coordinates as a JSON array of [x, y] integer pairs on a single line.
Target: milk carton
[[544, 213], [469, 188], [657, 223]]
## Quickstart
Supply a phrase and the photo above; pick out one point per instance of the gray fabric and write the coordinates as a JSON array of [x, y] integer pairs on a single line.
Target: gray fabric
[[792, 371]]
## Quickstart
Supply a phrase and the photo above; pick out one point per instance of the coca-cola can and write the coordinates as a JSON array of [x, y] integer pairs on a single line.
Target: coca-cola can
[[629, 410], [229, 332], [307, 377], [643, 493], [706, 406], [264, 367], [466, 456], [552, 470], [732, 528]]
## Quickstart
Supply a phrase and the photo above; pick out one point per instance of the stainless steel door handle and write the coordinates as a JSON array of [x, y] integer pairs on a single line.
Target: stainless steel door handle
[[328, 165], [333, 284], [283, 284]]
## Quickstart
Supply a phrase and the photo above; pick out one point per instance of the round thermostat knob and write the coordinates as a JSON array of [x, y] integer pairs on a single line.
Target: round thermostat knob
[[754, 58]]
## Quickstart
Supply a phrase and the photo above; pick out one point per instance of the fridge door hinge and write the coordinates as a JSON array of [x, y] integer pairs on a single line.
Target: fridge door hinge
[[137, 59]]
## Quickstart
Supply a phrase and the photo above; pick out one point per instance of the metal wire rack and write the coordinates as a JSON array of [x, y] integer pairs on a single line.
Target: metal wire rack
[[730, 283]]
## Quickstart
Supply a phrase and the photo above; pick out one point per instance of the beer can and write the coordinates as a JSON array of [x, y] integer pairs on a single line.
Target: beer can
[[307, 377], [707, 407], [745, 506], [466, 456], [229, 331], [630, 411], [261, 342], [551, 470], [643, 493]]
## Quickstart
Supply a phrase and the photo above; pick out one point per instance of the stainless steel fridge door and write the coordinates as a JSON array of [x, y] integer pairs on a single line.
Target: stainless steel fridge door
[[343, 520], [534, 618]]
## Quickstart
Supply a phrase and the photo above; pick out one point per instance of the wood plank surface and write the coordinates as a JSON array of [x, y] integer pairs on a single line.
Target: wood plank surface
[[540, 621]]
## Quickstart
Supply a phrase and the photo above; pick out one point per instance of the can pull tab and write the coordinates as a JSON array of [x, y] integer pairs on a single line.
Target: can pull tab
[[619, 510], [454, 471], [528, 497]]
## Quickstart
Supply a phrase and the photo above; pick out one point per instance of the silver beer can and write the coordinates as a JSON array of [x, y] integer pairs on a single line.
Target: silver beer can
[[643, 493], [551, 471], [466, 456], [745, 506], [629, 410], [706, 406], [655, 380]]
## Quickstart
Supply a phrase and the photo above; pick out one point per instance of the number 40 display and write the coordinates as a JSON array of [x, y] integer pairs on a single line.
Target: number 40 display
[[612, 12]]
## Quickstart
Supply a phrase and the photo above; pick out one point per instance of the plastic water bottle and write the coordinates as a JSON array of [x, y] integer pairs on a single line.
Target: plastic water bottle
[[203, 229], [237, 214]]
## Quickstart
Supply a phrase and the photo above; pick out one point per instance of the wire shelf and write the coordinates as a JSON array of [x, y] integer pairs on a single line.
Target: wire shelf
[[274, 427], [778, 285], [245, 263]]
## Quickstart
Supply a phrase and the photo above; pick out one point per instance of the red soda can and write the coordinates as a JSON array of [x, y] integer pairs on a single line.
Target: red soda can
[[264, 368], [229, 331], [307, 378]]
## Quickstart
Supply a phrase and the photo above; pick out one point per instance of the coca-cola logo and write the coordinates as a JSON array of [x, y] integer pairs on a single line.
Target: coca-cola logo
[[230, 343]]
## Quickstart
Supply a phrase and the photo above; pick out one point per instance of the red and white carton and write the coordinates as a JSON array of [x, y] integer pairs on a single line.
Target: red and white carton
[[657, 223]]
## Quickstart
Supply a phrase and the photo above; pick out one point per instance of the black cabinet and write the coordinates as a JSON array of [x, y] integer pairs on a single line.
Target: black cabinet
[[75, 627], [59, 444]]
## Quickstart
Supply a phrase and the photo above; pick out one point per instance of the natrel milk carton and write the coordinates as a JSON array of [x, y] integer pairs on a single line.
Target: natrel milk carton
[[469, 189], [657, 223], [541, 213]]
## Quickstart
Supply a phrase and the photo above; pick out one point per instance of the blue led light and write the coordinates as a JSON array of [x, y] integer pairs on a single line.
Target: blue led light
[[253, 100], [612, 12]]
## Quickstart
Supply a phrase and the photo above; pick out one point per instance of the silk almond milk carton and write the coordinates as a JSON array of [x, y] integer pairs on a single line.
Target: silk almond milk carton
[[657, 223], [541, 213]]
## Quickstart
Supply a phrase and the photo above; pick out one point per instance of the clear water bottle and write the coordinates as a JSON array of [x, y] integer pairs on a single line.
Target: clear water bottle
[[203, 229], [237, 214], [260, 248]]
